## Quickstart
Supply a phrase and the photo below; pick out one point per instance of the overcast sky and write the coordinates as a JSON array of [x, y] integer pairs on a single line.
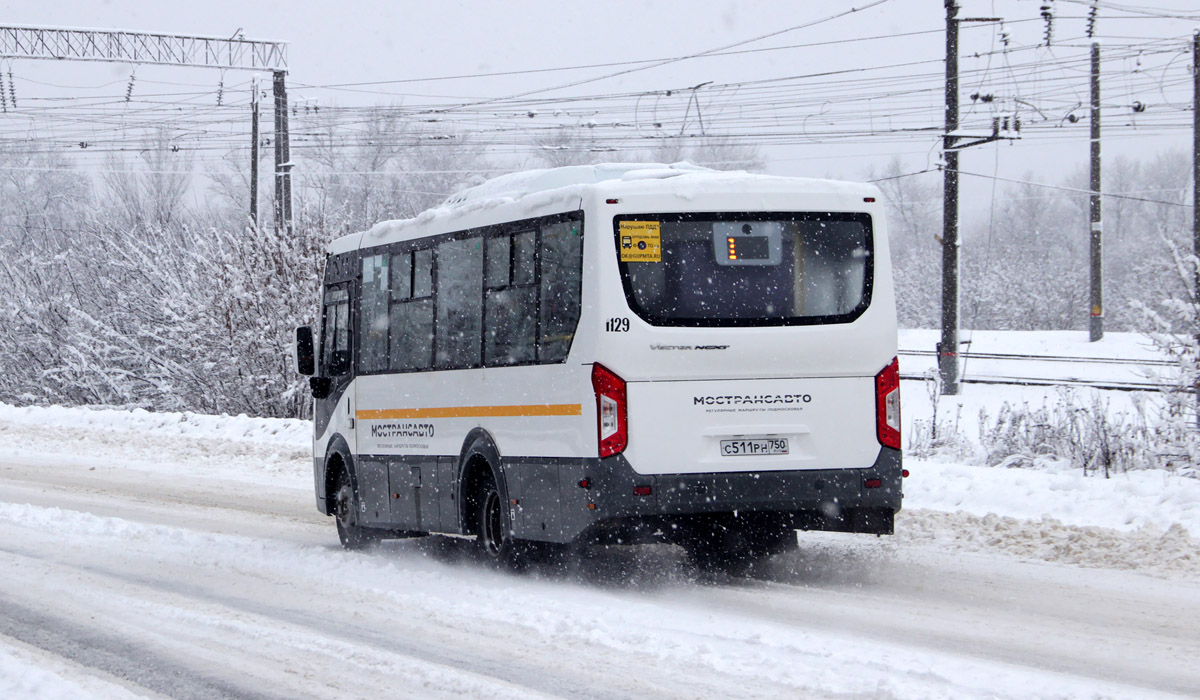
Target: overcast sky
[[375, 41]]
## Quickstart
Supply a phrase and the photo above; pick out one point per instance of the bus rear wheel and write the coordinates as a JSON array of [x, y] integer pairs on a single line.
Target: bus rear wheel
[[345, 513], [736, 551], [495, 541]]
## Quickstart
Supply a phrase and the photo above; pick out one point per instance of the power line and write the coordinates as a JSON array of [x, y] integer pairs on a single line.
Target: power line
[[873, 104], [1075, 189], [1152, 12], [627, 71], [613, 64], [903, 175]]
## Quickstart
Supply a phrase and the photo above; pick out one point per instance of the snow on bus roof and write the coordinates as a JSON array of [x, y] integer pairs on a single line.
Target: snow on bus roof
[[518, 185], [534, 190]]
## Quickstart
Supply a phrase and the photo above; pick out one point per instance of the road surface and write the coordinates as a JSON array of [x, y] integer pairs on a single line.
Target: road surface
[[176, 567]]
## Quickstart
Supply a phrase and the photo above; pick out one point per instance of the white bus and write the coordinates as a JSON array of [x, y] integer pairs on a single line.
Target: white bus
[[612, 354]]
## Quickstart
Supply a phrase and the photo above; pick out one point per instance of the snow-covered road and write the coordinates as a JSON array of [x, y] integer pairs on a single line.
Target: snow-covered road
[[144, 558]]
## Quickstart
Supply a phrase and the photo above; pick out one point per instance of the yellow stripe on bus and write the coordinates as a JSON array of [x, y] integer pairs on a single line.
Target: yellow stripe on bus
[[559, 409]]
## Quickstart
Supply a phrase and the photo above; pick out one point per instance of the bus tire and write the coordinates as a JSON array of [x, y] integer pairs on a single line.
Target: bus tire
[[496, 544], [709, 559], [725, 550], [353, 536]]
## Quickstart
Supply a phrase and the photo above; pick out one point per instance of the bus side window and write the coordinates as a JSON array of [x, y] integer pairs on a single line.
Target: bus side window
[[411, 315], [459, 303], [561, 257], [335, 334], [510, 321], [373, 328]]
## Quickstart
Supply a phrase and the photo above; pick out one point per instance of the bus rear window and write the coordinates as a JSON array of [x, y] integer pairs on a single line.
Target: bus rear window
[[743, 269]]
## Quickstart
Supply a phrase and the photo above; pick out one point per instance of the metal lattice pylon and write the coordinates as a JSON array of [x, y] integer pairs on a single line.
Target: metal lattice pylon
[[136, 47], [235, 53]]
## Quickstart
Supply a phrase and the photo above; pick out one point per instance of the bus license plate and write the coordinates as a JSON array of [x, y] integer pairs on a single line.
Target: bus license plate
[[754, 446]]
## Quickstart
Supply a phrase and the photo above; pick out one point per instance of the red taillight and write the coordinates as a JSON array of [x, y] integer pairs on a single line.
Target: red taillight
[[612, 411], [887, 405]]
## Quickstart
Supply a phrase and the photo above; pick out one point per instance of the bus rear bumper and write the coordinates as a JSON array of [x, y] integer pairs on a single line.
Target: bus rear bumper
[[620, 503]]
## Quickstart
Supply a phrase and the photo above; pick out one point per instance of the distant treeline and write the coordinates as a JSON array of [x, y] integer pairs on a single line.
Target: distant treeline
[[145, 286]]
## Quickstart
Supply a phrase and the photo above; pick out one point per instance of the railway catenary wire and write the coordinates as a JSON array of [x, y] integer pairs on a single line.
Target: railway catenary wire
[[747, 119], [1028, 381], [1018, 380], [789, 110], [1048, 358]]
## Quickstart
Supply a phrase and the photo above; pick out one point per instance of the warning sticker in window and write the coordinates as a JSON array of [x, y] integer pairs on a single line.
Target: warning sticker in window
[[640, 241]]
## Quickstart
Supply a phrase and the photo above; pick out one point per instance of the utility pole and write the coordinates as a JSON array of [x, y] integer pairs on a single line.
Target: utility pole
[[1196, 197], [254, 153], [1096, 325], [283, 158], [948, 348]]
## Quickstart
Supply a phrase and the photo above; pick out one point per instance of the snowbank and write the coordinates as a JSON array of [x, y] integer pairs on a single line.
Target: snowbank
[[194, 425], [266, 451], [1146, 521], [1139, 499]]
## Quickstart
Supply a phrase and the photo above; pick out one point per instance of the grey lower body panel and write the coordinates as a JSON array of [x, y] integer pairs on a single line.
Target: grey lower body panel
[[565, 500]]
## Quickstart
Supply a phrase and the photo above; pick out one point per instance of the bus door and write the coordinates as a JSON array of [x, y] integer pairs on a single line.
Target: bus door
[[333, 407], [337, 363]]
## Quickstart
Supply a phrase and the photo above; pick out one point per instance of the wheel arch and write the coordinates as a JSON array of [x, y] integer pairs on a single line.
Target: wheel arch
[[478, 459]]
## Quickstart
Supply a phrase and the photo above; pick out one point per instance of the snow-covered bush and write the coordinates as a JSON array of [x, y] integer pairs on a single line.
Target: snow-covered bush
[[1178, 424], [1067, 433], [939, 435], [1072, 431]]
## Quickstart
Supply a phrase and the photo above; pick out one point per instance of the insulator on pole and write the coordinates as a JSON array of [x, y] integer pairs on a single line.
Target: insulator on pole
[[1048, 15]]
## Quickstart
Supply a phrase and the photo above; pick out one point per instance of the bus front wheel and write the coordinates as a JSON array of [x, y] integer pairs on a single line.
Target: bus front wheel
[[345, 513]]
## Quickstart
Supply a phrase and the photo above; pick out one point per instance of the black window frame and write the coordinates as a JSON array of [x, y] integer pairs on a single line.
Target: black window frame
[[484, 233], [411, 251], [539, 282], [830, 319], [360, 318], [348, 362], [437, 269], [512, 233]]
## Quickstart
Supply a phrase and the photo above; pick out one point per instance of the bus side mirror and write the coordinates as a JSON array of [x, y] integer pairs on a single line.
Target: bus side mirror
[[306, 363], [321, 387]]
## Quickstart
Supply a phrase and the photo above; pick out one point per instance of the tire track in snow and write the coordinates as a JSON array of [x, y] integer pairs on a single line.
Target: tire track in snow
[[495, 662], [117, 656]]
